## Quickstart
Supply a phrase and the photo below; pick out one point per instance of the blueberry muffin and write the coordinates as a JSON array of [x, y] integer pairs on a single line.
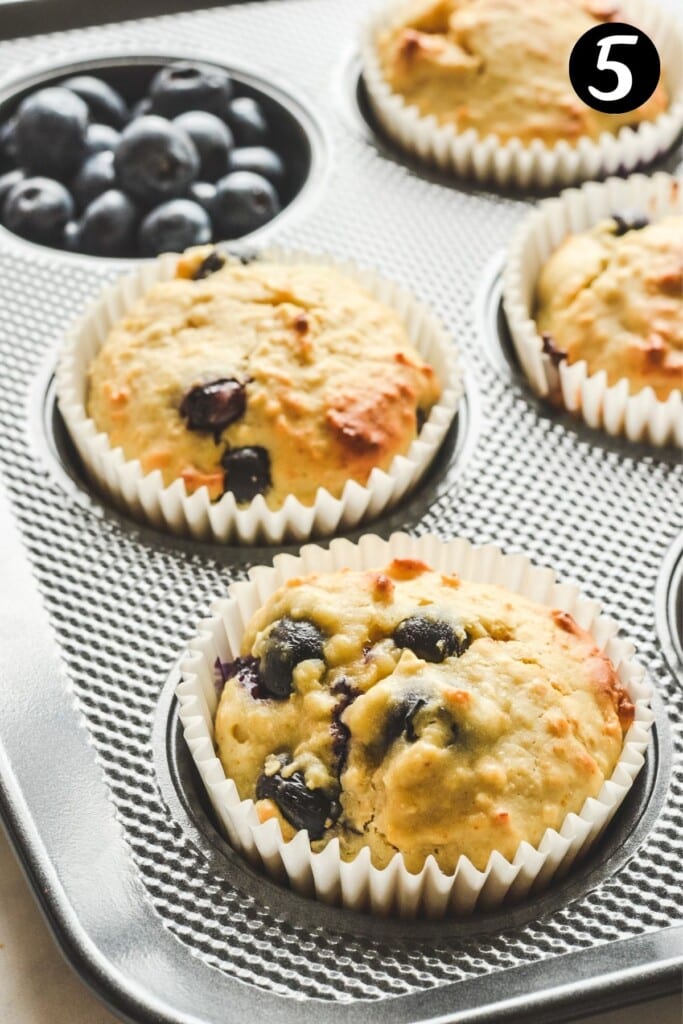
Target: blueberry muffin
[[260, 378], [404, 709], [613, 296], [501, 67]]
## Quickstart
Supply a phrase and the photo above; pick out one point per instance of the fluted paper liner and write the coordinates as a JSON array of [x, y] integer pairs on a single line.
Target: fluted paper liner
[[357, 884], [640, 416], [171, 507], [487, 158]]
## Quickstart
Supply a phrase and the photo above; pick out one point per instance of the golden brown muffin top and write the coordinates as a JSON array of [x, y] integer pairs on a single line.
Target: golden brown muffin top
[[294, 362], [406, 709], [501, 67]]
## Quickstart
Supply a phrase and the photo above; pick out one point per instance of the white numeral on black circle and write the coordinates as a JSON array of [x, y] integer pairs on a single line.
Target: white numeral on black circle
[[622, 71]]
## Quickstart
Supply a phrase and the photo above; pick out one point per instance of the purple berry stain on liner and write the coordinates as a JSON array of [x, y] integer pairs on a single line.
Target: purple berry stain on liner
[[550, 349], [245, 671]]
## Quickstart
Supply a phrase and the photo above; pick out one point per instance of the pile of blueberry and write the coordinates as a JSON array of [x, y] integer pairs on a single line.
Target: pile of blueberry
[[189, 164]]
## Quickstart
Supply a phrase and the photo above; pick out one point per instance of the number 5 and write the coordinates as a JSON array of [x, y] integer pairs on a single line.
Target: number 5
[[623, 73]]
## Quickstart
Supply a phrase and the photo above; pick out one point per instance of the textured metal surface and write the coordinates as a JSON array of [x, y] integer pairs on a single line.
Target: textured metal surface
[[122, 601]]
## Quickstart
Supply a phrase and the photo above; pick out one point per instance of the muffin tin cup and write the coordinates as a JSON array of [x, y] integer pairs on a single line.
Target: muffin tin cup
[[511, 163], [297, 135], [640, 416], [170, 507], [357, 884]]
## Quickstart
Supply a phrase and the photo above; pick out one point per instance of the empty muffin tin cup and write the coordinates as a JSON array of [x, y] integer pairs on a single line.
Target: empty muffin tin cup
[[640, 416], [145, 497], [357, 884], [511, 163]]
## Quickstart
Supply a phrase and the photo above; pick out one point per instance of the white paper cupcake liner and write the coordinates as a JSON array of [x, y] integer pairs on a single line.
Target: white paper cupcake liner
[[357, 884], [171, 507], [511, 163], [640, 416]]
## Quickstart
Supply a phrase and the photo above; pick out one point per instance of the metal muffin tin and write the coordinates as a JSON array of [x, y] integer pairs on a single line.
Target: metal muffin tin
[[97, 790]]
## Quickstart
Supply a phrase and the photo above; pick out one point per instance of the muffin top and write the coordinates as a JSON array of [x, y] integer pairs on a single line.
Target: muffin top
[[265, 378], [403, 709], [614, 297], [501, 67]]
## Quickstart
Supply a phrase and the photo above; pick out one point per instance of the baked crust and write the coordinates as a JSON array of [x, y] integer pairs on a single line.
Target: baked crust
[[500, 67], [489, 746], [616, 301], [332, 385]]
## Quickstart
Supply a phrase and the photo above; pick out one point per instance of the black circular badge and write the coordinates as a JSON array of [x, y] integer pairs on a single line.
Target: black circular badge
[[614, 68]]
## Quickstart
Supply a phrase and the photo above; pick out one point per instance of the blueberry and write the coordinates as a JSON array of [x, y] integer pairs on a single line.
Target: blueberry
[[107, 227], [341, 734], [247, 472], [213, 140], [304, 808], [105, 104], [173, 227], [258, 160], [243, 203], [401, 716], [96, 176], [245, 117], [7, 183], [142, 108], [245, 671], [38, 209], [155, 160], [628, 220], [183, 86], [99, 137], [213, 407], [71, 238], [51, 131], [204, 193], [429, 639], [289, 642], [213, 262], [8, 141]]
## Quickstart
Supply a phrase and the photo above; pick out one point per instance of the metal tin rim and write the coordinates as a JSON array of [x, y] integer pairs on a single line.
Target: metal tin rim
[[669, 608]]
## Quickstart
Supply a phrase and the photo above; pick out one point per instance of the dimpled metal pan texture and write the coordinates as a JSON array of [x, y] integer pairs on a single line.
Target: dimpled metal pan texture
[[96, 786]]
